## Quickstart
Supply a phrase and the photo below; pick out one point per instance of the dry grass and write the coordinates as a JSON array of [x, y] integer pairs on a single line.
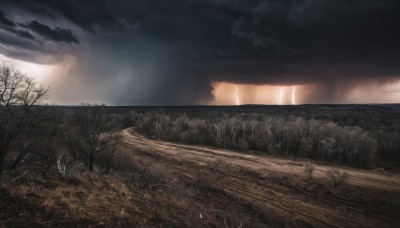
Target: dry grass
[[99, 199], [92, 199]]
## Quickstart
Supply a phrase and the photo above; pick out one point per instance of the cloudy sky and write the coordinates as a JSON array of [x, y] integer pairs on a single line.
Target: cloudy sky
[[187, 52]]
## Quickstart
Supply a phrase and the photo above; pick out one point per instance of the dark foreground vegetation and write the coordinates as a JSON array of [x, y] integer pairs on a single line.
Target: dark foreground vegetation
[[70, 166]]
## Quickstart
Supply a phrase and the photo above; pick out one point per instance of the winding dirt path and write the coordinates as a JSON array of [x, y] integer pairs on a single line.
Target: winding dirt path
[[272, 187]]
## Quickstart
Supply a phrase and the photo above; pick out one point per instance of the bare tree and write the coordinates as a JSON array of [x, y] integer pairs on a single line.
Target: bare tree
[[315, 133], [219, 133], [19, 95], [233, 127], [244, 129], [94, 133], [110, 152]]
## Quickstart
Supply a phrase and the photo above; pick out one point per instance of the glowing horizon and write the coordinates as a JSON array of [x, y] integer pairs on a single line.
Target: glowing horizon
[[237, 94], [226, 93], [57, 77], [39, 71]]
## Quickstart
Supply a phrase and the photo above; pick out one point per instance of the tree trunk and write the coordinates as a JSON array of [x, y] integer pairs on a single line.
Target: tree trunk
[[2, 156], [91, 161], [108, 167]]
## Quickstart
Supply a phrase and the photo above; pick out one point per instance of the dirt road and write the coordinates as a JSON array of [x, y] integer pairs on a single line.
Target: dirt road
[[277, 189]]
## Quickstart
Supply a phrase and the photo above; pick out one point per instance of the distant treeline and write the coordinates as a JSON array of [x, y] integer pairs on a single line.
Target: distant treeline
[[319, 139]]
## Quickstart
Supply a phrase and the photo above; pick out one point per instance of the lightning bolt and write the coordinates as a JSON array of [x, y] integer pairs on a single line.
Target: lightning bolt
[[236, 95], [280, 97], [293, 95]]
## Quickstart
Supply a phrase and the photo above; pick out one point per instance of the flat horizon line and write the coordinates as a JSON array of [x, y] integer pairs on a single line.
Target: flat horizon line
[[319, 104]]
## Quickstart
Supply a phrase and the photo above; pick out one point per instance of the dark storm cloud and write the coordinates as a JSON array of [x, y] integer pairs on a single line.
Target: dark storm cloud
[[274, 37], [170, 50], [30, 40], [56, 34], [4, 20], [8, 25], [20, 33], [88, 14]]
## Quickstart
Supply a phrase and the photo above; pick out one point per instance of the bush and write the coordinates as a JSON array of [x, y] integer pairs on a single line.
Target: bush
[[337, 177], [309, 169]]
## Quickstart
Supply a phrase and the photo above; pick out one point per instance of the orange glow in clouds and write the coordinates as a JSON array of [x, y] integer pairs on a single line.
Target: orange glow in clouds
[[237, 94]]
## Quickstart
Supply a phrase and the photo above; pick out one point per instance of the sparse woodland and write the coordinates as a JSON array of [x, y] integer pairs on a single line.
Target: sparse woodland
[[297, 136], [55, 139], [65, 137], [66, 162]]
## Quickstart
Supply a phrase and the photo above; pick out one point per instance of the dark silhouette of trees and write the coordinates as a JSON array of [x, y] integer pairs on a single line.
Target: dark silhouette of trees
[[93, 134], [19, 97]]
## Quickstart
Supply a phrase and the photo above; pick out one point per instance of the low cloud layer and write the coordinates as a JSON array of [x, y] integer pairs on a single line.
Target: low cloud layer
[[57, 34], [168, 52]]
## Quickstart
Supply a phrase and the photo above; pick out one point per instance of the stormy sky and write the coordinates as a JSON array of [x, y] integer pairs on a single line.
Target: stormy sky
[[177, 52]]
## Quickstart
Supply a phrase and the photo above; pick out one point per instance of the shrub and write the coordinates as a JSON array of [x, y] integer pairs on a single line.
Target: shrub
[[309, 169], [337, 177]]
